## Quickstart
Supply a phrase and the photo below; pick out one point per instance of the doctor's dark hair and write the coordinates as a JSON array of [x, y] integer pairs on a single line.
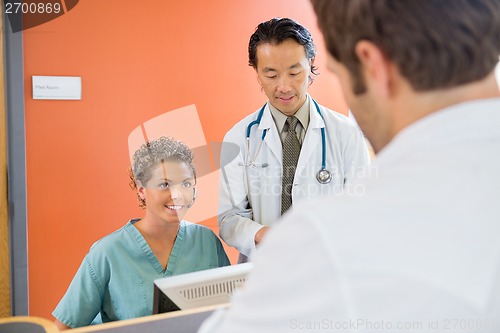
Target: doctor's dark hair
[[435, 44], [276, 31], [154, 152]]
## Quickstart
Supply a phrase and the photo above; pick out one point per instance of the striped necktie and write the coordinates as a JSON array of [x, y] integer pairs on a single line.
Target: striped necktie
[[291, 152]]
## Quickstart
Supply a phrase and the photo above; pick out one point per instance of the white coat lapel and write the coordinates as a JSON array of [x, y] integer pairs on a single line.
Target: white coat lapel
[[272, 138], [312, 141]]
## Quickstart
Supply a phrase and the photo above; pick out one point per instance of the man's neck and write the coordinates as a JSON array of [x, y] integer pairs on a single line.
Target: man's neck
[[417, 105]]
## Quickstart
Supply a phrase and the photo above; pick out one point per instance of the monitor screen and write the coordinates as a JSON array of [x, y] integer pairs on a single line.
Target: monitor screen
[[198, 289]]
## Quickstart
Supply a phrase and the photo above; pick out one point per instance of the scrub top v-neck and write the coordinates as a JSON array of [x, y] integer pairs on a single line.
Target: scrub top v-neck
[[116, 277]]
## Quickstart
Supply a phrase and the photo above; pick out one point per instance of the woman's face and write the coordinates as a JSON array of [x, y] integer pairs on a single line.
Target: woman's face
[[169, 191]]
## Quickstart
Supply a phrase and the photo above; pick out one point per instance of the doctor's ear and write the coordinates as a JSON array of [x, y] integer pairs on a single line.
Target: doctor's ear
[[258, 80], [312, 71], [311, 63], [260, 84]]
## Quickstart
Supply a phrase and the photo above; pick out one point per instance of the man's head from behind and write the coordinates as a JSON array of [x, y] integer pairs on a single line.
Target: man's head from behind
[[432, 44], [435, 44]]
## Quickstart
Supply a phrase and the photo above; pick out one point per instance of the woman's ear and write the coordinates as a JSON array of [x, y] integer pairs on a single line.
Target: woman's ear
[[141, 189]]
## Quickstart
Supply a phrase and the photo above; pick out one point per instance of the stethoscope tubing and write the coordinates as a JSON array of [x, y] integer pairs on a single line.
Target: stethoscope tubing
[[323, 139], [264, 133]]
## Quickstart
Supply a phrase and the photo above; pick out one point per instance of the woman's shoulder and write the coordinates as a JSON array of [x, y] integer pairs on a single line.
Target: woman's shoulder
[[197, 229], [196, 226], [112, 240]]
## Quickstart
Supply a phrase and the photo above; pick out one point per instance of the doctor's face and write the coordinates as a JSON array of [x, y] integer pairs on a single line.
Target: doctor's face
[[283, 73]]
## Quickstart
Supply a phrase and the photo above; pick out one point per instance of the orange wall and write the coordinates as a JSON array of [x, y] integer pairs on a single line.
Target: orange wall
[[137, 60]]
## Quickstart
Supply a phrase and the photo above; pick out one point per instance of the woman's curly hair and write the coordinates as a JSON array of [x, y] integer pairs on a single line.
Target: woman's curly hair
[[152, 153]]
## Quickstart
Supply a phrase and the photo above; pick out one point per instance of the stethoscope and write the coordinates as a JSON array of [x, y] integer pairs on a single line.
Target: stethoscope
[[323, 176]]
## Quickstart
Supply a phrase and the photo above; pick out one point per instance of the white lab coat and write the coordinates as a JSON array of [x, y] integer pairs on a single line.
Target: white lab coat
[[250, 197], [421, 255]]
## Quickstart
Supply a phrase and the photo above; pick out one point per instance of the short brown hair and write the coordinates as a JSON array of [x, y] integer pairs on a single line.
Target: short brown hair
[[434, 43]]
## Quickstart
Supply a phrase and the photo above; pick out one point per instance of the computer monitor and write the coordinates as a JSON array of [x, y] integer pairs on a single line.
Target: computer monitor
[[198, 289]]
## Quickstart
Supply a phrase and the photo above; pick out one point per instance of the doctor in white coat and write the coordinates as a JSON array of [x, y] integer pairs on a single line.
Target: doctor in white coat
[[332, 149]]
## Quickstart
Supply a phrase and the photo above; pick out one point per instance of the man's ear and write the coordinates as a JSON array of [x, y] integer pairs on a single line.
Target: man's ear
[[375, 67], [309, 74]]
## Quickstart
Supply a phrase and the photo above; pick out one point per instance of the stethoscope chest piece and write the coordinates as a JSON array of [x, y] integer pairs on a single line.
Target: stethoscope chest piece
[[324, 176]]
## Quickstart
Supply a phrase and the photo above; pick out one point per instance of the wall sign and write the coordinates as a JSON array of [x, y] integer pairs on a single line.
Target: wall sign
[[57, 87]]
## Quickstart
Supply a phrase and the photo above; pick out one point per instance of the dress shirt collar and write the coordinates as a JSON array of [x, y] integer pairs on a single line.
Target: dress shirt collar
[[302, 114]]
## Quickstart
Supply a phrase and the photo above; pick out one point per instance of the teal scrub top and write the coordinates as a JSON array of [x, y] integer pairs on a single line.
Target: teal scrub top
[[116, 277]]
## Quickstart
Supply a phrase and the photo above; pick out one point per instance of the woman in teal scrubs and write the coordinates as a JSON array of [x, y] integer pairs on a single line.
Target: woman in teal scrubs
[[115, 279]]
